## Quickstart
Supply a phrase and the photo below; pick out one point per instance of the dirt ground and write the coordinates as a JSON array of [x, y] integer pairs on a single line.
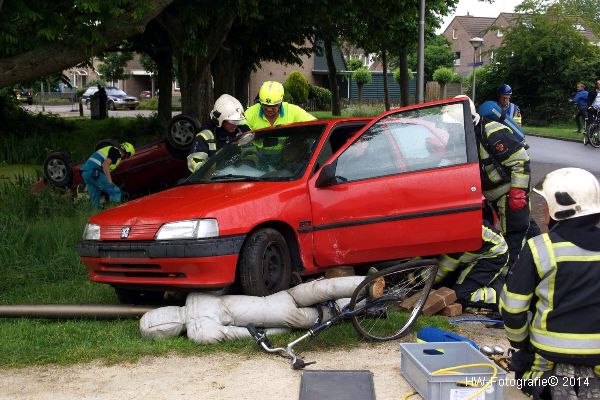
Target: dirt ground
[[220, 376]]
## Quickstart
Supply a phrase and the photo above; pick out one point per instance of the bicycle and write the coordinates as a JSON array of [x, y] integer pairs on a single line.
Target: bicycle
[[376, 307], [591, 132]]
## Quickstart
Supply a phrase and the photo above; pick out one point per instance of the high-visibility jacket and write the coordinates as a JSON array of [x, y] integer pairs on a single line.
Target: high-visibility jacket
[[503, 160], [206, 143], [513, 111], [97, 159], [493, 250], [288, 114], [559, 283]]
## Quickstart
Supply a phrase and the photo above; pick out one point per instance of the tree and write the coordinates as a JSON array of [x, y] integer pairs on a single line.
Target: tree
[[113, 65], [361, 76], [542, 58], [438, 53], [443, 76], [296, 86], [353, 64], [67, 33]]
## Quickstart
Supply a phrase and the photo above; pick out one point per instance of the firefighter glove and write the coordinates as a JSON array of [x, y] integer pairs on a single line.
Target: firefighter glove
[[517, 199]]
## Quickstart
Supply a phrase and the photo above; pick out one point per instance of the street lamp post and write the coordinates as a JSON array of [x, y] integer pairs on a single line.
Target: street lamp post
[[476, 42]]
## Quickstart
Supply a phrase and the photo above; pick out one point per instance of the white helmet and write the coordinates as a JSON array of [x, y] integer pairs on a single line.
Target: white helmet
[[228, 108], [570, 193], [474, 114]]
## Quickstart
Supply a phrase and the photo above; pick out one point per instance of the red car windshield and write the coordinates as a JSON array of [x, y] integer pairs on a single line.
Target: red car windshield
[[275, 155]]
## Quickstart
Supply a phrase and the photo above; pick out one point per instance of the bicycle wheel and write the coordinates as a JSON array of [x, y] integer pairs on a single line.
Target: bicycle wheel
[[385, 317], [594, 135]]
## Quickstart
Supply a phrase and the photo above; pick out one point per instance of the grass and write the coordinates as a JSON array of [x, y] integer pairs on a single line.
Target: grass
[[558, 131]]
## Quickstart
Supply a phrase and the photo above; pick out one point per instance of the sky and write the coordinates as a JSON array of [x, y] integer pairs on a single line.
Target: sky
[[480, 9]]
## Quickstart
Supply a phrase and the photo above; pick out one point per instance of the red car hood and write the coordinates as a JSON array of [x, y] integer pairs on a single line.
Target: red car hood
[[188, 202]]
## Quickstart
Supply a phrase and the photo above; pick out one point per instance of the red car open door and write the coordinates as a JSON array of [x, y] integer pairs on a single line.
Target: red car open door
[[407, 186]]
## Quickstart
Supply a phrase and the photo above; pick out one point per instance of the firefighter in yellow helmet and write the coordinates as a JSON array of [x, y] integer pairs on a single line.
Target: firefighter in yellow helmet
[[96, 172], [271, 110], [550, 300]]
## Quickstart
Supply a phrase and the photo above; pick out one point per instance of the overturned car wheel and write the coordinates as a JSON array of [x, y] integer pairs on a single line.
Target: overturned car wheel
[[57, 170], [181, 131], [265, 263]]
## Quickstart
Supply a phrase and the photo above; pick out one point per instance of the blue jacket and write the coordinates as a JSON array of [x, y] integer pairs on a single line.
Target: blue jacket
[[581, 99]]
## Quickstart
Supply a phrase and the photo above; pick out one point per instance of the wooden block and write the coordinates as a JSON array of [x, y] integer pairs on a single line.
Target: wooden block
[[452, 310], [410, 302], [449, 295], [339, 271], [433, 304], [377, 288]]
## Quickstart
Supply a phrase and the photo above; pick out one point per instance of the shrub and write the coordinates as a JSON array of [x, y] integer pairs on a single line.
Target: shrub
[[321, 96], [296, 86], [353, 64]]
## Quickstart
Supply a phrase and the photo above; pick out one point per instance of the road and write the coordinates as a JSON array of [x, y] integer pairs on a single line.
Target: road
[[73, 111], [550, 154]]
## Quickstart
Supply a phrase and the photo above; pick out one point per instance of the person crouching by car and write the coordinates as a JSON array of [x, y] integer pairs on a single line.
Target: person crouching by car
[[227, 120], [96, 172]]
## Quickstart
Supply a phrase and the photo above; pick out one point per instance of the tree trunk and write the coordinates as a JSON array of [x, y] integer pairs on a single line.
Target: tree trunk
[[404, 77], [242, 81], [165, 86], [222, 68], [332, 73], [386, 95], [196, 88]]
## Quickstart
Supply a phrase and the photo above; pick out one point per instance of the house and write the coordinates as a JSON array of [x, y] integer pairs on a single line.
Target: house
[[491, 30]]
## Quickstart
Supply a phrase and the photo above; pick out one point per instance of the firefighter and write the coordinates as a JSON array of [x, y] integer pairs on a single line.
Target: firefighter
[[226, 122], [271, 110], [510, 109], [476, 276], [96, 172], [550, 300], [504, 165]]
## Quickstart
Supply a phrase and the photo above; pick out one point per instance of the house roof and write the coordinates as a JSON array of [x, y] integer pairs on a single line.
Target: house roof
[[320, 65], [475, 26]]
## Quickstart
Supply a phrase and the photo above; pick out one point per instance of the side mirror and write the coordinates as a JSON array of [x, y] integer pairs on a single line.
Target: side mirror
[[327, 176]]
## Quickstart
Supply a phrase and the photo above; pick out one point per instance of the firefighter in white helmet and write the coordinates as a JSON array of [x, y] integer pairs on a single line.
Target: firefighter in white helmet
[[550, 300], [227, 120]]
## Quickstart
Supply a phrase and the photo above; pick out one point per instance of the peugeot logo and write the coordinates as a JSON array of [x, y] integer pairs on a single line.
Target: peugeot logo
[[125, 232]]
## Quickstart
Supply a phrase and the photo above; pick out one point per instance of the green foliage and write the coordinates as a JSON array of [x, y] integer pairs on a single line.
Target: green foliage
[[443, 75], [321, 96], [438, 53], [542, 60], [27, 138], [362, 75], [113, 65], [148, 64], [411, 75], [353, 64], [296, 86]]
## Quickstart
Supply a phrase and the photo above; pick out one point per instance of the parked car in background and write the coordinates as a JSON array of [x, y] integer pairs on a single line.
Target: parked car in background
[[146, 95], [116, 98], [297, 200], [24, 95]]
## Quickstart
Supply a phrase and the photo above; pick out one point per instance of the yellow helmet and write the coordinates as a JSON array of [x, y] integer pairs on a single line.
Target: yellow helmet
[[270, 93], [128, 148]]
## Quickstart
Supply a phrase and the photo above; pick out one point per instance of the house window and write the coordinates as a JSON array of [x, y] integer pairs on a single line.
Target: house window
[[499, 33], [176, 85], [456, 58], [454, 34]]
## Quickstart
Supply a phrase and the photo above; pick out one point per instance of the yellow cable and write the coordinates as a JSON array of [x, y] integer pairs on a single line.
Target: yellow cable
[[409, 395], [452, 369]]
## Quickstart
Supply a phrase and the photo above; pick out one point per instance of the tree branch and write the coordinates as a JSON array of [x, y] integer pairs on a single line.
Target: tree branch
[[55, 57]]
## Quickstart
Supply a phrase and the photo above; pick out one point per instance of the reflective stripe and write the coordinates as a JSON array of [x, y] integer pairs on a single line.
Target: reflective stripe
[[209, 137], [195, 160], [95, 161], [566, 251], [517, 335], [543, 256], [486, 295], [496, 193], [566, 343], [515, 303]]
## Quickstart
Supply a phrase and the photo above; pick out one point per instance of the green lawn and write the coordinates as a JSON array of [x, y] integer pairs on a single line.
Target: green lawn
[[559, 131]]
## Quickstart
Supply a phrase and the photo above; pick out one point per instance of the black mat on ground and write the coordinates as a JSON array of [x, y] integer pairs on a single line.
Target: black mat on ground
[[337, 385]]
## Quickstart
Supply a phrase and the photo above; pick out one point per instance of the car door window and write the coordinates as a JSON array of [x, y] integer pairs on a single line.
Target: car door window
[[414, 140]]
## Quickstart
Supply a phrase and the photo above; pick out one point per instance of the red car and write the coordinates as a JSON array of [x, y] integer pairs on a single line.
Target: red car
[[297, 200]]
